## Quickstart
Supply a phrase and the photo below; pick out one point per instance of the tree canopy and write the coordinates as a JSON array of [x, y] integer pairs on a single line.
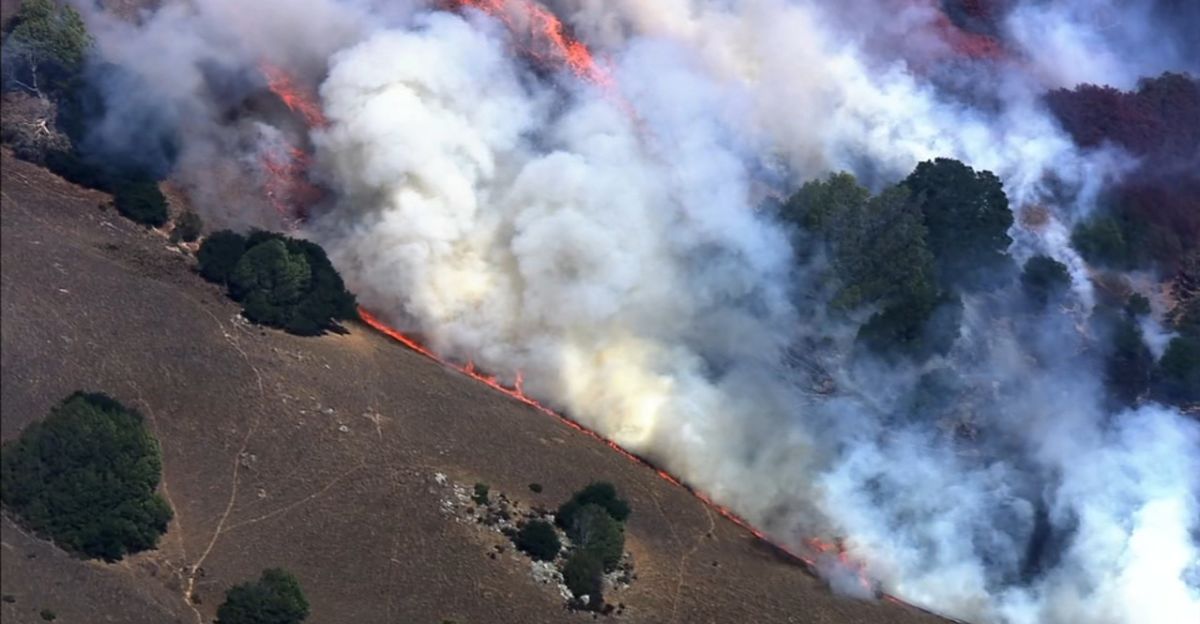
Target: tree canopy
[[1044, 279], [275, 598], [49, 41], [539, 540], [601, 493], [86, 477], [593, 529]]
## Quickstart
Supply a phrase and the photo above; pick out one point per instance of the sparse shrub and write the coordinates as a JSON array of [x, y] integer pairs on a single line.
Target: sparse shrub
[[1044, 279], [480, 495], [86, 477], [219, 253], [594, 530], [141, 201], [275, 598], [187, 227], [539, 539], [48, 615], [536, 488], [583, 574], [600, 493]]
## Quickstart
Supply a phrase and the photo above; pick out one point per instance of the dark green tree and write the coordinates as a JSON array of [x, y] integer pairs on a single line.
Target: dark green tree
[[269, 280], [593, 529], [46, 46], [86, 477], [600, 493], [275, 598], [539, 539], [1044, 279], [187, 227], [1130, 364], [966, 214], [1177, 377], [142, 201], [915, 328], [817, 203], [583, 574], [1102, 241], [219, 253]]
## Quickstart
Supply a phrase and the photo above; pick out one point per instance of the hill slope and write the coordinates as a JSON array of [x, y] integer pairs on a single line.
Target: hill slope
[[320, 455]]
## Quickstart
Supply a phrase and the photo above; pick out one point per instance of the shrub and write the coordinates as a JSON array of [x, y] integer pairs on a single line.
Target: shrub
[[187, 227], [539, 539], [536, 488], [583, 574], [275, 598], [85, 477], [600, 493], [48, 615], [480, 496], [1044, 279], [595, 531], [142, 202], [219, 253]]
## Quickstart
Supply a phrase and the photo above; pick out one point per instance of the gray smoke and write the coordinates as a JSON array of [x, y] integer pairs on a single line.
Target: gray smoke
[[611, 245]]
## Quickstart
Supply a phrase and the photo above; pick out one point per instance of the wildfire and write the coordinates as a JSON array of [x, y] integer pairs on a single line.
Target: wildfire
[[816, 546], [281, 84]]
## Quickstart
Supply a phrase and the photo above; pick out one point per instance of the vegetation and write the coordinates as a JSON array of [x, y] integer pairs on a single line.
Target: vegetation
[[480, 494], [536, 488], [48, 615], [187, 227], [85, 477], [539, 539], [594, 530], [46, 46], [1177, 377], [967, 217], [280, 281], [141, 201], [1130, 363], [600, 493], [583, 574], [1044, 279], [275, 598]]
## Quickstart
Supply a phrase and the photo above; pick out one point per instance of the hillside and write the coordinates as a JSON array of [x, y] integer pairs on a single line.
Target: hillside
[[320, 455]]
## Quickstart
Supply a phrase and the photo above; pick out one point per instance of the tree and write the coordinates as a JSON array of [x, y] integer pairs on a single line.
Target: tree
[[275, 598], [219, 253], [584, 576], [86, 477], [187, 227], [1102, 240], [48, 43], [594, 530], [1177, 377], [918, 328], [1130, 364], [142, 201], [539, 539], [599, 493], [1044, 279], [967, 217], [269, 280]]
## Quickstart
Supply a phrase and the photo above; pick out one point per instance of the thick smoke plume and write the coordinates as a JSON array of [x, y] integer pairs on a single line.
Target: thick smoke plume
[[614, 242]]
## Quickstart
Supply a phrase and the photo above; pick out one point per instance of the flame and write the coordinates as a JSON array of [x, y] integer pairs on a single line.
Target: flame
[[816, 547], [281, 84]]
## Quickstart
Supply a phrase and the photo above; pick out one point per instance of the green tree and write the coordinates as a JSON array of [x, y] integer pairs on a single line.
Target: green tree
[[600, 493], [269, 280], [86, 477], [593, 529], [539, 539], [583, 574], [142, 201], [187, 227], [275, 598], [818, 202], [219, 253], [916, 327], [1177, 377], [47, 43], [1102, 241], [1044, 279], [1130, 364], [967, 217]]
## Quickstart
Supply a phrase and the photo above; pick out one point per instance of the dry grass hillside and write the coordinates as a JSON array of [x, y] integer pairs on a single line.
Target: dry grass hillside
[[319, 455]]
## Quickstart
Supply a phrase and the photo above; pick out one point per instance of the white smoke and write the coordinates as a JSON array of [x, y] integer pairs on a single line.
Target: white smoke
[[609, 244]]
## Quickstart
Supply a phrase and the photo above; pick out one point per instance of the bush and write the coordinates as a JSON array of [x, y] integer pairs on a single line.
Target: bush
[[539, 539], [275, 598], [600, 493], [480, 496], [48, 615], [584, 576], [536, 488], [85, 477], [1044, 279], [594, 530], [142, 202], [187, 227], [280, 281], [1177, 377], [219, 253]]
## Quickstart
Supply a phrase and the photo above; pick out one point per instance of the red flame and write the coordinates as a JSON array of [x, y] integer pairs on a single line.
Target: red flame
[[282, 85]]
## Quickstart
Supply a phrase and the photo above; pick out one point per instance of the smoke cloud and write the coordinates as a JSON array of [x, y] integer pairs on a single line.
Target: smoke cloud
[[615, 244]]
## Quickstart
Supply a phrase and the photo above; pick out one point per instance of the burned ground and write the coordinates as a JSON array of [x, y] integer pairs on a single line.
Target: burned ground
[[319, 454]]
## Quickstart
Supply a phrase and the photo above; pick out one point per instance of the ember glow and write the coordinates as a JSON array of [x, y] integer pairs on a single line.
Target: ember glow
[[281, 84]]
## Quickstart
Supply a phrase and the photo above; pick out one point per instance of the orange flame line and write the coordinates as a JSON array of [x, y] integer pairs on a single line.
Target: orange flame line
[[819, 547], [281, 84]]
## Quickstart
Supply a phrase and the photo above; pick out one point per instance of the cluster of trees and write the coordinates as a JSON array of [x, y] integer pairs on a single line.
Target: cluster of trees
[[86, 477], [275, 598], [280, 281], [910, 250]]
